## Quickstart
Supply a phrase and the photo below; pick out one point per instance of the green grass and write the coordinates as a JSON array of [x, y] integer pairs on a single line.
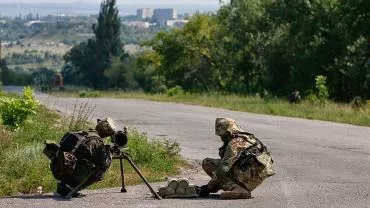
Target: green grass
[[342, 113], [24, 167]]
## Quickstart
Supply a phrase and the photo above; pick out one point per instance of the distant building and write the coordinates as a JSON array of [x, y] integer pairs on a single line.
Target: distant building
[[35, 22], [162, 15], [137, 24], [187, 15], [176, 23], [144, 13]]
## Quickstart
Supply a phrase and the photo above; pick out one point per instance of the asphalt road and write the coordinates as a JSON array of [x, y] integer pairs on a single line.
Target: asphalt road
[[318, 164]]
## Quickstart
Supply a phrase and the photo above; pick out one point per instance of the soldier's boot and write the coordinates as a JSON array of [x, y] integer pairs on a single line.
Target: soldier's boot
[[63, 190], [236, 193], [212, 187]]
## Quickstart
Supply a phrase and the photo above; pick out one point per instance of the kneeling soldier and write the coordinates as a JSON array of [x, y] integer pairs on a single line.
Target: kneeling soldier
[[81, 158], [245, 162]]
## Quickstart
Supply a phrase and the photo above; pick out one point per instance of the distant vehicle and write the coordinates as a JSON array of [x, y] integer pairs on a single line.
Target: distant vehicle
[[57, 81]]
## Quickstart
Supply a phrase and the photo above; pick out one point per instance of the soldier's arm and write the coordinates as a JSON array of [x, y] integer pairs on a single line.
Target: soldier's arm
[[230, 157]]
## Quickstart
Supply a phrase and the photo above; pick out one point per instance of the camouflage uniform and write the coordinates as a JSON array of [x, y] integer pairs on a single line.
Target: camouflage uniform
[[245, 162], [80, 155]]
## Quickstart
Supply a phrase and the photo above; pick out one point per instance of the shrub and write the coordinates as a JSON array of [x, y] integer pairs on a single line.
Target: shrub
[[177, 90], [14, 111], [322, 89]]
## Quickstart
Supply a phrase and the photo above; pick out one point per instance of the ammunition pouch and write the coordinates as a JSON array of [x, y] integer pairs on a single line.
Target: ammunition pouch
[[62, 167], [245, 160], [266, 160]]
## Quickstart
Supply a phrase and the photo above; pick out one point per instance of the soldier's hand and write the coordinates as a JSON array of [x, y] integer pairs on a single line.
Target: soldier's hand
[[221, 152], [204, 191]]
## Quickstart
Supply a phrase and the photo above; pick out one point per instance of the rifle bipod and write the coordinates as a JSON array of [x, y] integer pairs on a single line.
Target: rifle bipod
[[123, 155]]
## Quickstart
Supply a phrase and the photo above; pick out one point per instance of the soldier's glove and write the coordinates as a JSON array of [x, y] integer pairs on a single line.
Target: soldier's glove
[[222, 150], [203, 191]]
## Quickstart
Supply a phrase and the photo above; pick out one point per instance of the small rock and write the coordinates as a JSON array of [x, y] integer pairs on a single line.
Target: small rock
[[39, 190]]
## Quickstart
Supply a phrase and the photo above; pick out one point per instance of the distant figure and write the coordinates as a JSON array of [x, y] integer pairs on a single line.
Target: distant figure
[[245, 162], [294, 97], [357, 103], [80, 157]]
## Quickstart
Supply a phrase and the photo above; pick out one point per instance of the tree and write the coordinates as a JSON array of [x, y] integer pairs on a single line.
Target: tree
[[107, 31], [186, 55], [93, 57], [121, 74], [148, 74], [247, 25]]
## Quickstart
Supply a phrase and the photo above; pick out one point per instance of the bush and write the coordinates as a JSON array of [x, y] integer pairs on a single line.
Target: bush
[[322, 89], [14, 111], [177, 90]]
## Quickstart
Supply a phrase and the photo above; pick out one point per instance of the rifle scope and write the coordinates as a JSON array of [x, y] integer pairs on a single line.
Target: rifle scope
[[119, 139]]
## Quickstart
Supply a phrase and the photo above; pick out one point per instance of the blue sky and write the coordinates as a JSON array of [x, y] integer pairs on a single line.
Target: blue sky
[[122, 1]]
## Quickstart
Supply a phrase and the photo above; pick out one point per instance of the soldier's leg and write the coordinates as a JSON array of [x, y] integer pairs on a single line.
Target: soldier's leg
[[248, 180], [232, 190], [209, 166], [251, 178]]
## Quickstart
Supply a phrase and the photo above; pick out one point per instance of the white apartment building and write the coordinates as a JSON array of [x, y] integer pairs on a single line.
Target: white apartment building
[[144, 13]]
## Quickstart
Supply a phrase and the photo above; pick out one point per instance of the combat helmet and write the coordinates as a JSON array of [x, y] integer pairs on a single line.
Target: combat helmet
[[105, 127], [226, 127], [51, 149]]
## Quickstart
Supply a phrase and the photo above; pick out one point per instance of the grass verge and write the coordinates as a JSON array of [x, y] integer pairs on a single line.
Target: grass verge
[[24, 167], [336, 112]]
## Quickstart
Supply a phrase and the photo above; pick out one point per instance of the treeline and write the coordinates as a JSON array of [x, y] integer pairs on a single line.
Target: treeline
[[19, 76], [248, 46], [33, 57]]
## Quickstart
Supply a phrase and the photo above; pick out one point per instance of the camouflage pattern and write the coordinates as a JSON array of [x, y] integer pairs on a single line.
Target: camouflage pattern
[[89, 156], [245, 162], [226, 126]]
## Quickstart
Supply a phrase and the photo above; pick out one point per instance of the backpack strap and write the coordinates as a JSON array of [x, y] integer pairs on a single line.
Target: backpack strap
[[80, 140], [87, 135], [72, 140]]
